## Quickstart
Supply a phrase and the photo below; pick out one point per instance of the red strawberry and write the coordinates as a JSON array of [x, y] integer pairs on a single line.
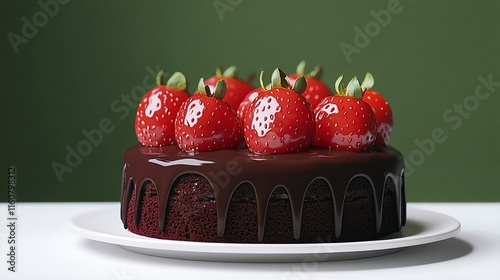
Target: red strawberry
[[383, 112], [243, 108], [316, 90], [344, 121], [205, 122], [236, 89], [279, 120], [154, 119], [249, 98]]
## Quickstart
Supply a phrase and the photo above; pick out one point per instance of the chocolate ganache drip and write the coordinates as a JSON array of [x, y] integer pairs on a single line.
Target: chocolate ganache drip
[[226, 170]]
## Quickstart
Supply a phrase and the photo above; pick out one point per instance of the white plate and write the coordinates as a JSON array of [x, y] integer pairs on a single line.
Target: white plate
[[422, 227]]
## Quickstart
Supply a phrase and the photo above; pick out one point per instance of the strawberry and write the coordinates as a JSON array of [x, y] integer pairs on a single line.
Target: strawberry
[[205, 122], [155, 114], [383, 112], [316, 90], [249, 98], [344, 121], [243, 108], [236, 89], [279, 120]]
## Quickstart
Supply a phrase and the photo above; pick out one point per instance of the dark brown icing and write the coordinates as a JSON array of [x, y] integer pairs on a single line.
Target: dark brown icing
[[228, 169]]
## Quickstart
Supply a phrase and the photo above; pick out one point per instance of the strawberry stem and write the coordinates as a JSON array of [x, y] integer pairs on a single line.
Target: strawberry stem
[[220, 89], [159, 78], [279, 79], [300, 85], [202, 88], [354, 88], [178, 81], [368, 82], [218, 71], [230, 72], [339, 87], [261, 79], [316, 73], [301, 67]]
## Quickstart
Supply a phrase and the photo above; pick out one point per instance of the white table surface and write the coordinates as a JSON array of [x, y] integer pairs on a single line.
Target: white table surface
[[48, 250]]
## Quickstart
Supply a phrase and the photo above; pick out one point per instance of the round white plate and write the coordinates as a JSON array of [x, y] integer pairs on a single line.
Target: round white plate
[[422, 227]]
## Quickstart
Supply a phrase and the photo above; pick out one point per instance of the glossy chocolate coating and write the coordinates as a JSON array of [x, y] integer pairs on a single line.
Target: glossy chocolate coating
[[228, 169]]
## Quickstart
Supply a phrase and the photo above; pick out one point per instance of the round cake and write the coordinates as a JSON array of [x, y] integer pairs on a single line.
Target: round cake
[[272, 169], [231, 195]]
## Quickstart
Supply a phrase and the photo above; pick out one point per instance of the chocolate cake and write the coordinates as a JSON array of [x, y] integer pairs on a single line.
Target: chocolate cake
[[305, 175], [233, 195]]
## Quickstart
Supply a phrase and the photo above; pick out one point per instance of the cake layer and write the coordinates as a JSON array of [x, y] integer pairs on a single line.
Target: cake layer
[[236, 196]]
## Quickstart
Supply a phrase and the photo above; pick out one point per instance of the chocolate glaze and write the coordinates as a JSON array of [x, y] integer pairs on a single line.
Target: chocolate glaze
[[228, 169]]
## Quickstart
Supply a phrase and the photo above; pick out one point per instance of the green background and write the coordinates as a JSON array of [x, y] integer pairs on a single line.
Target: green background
[[90, 61]]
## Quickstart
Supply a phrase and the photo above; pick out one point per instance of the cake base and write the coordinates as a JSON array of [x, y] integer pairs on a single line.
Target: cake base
[[197, 202]]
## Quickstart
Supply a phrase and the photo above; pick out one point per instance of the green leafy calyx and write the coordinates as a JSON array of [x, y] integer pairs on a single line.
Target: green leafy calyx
[[300, 85], [279, 79], [316, 73], [230, 72], [219, 90], [301, 67], [339, 86], [178, 81], [368, 82], [261, 79], [160, 78], [353, 88]]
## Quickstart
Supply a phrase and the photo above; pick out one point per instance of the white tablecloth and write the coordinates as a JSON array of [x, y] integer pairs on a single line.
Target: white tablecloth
[[46, 249]]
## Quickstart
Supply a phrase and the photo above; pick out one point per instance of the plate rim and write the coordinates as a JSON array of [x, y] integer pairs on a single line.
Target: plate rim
[[130, 240]]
